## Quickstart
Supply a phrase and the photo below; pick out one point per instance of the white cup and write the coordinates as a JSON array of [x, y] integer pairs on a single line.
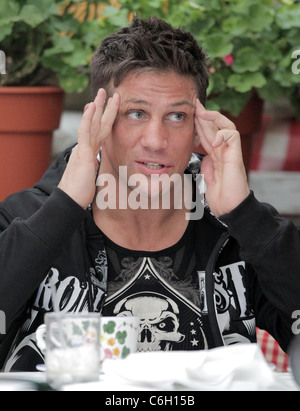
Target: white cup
[[71, 346], [118, 337]]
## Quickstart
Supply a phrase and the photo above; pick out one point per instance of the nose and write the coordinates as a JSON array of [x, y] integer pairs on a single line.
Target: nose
[[154, 135]]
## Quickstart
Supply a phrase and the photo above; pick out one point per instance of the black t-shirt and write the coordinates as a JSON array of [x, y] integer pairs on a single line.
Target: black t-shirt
[[162, 288]]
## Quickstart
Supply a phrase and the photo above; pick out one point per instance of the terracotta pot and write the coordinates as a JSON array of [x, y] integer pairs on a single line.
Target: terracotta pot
[[29, 115], [248, 123]]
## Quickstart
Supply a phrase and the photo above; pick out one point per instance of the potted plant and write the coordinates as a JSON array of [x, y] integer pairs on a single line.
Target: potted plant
[[249, 44], [47, 47]]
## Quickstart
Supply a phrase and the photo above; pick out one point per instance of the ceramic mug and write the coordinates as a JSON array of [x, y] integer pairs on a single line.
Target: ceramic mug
[[118, 337]]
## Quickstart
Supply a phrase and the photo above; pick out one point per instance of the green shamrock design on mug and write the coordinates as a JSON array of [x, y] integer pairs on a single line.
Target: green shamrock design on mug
[[109, 328], [121, 336]]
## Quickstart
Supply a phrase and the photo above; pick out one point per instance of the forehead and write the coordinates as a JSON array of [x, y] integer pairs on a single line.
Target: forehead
[[151, 85]]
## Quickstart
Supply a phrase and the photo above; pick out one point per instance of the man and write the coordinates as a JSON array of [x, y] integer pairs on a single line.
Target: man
[[94, 235]]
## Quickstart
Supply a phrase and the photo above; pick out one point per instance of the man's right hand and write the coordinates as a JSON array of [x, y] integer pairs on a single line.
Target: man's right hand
[[79, 178]]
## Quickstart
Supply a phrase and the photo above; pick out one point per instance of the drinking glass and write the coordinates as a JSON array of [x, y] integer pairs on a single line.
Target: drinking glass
[[72, 348]]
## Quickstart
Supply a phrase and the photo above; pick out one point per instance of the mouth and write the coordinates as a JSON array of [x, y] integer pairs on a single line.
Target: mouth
[[154, 166], [151, 167]]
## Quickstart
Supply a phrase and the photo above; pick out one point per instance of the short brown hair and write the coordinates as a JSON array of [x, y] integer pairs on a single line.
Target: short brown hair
[[148, 44]]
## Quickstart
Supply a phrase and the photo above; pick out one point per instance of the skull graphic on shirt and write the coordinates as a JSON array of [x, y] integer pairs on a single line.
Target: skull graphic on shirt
[[159, 322]]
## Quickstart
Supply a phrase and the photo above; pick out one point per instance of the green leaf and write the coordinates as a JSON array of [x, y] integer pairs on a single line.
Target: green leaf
[[246, 81], [270, 53], [120, 19], [288, 16], [5, 31], [234, 25], [218, 45], [217, 82], [9, 9], [271, 91], [247, 59], [67, 25], [31, 15], [286, 61], [91, 32], [229, 101], [9, 14], [61, 44], [285, 78], [37, 11], [48, 7], [110, 11], [260, 17], [79, 58], [212, 105], [241, 6]]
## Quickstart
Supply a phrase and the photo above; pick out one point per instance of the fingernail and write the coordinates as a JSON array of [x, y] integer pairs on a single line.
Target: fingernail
[[86, 106], [101, 92]]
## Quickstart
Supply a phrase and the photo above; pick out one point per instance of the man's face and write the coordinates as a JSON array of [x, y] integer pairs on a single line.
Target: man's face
[[154, 129]]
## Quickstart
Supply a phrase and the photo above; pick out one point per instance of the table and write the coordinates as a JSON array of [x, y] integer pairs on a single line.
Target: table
[[240, 367], [36, 381]]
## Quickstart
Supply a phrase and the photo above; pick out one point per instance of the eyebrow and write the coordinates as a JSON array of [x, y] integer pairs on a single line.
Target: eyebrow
[[183, 103], [136, 101], [145, 103]]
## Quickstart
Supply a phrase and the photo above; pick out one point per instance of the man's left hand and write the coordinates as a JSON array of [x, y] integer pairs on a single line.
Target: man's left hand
[[223, 168]]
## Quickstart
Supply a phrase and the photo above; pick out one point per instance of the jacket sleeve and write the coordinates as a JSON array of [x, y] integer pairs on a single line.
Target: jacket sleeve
[[270, 244], [29, 246]]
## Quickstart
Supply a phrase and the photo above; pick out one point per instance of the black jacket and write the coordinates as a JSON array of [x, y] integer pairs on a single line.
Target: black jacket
[[252, 258]]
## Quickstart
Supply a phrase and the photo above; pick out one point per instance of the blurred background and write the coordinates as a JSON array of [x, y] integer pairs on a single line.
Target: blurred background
[[254, 61]]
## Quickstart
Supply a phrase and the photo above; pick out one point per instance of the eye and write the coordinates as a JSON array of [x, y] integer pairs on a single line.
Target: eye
[[176, 116], [166, 325], [135, 114], [162, 325]]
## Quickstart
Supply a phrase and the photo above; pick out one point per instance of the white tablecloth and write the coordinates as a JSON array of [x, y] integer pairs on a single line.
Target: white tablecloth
[[234, 368], [23, 382]]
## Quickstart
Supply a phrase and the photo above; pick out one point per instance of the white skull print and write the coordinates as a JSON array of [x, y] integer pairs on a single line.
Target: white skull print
[[159, 323]]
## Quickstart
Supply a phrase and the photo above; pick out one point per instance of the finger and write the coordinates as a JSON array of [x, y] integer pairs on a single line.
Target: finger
[[219, 120], [100, 103], [205, 143], [207, 133], [209, 130], [231, 137], [84, 131], [109, 116]]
